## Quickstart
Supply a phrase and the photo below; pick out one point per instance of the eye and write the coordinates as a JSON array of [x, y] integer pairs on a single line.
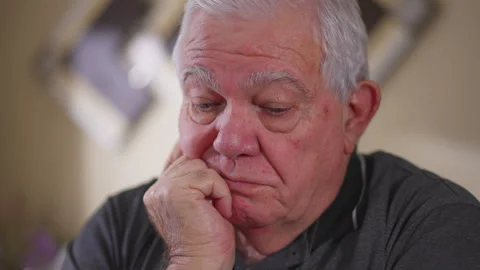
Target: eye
[[279, 117], [276, 111], [206, 107], [204, 110]]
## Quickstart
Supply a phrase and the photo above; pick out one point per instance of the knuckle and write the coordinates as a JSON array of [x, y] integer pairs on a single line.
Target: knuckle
[[146, 198], [156, 194]]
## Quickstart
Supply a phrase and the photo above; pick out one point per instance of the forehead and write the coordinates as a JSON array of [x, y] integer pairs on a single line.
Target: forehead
[[282, 41]]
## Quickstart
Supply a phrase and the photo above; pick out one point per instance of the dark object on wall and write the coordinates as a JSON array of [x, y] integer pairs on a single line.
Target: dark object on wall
[[98, 58], [101, 63], [372, 13], [394, 27]]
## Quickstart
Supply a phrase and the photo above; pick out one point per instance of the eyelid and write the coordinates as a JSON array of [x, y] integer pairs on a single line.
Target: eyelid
[[204, 110], [276, 105], [276, 111], [206, 105]]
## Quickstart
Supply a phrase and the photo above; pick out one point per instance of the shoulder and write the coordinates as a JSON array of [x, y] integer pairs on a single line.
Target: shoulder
[[123, 211], [129, 221], [429, 222], [400, 182], [118, 234], [402, 195], [130, 201]]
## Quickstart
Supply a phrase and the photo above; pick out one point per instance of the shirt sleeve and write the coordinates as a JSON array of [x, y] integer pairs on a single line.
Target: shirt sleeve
[[95, 247], [448, 237]]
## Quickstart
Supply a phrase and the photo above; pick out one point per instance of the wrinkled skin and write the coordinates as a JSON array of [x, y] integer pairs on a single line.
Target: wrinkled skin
[[280, 147]]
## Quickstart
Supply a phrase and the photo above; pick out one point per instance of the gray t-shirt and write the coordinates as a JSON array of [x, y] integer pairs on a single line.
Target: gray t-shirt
[[388, 214]]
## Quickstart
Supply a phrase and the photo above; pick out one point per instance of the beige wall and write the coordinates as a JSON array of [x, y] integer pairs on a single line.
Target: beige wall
[[430, 112], [44, 157], [430, 115]]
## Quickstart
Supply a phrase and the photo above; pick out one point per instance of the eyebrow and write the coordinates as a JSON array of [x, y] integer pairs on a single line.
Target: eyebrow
[[264, 78], [256, 79], [203, 74]]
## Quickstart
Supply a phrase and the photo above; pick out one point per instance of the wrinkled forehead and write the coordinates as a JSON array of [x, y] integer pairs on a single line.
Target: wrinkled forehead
[[285, 38]]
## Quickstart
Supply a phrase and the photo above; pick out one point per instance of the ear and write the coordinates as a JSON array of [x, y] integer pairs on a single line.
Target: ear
[[361, 106]]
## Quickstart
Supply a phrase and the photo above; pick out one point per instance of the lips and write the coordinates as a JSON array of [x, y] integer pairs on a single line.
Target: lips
[[235, 181], [244, 189]]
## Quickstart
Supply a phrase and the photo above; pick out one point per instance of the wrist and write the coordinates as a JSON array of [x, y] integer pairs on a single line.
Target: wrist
[[185, 263]]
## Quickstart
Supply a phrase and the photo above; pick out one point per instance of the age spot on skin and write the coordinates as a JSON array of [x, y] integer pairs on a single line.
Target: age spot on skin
[[296, 143], [326, 111]]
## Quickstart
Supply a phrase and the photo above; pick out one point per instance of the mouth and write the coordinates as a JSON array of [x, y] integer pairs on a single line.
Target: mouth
[[242, 186], [242, 183], [239, 180], [244, 189]]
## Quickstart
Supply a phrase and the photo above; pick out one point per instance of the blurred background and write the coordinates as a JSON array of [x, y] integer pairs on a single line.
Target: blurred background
[[89, 103]]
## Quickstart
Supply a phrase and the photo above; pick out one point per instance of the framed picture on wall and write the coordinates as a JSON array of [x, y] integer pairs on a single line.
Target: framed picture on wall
[[394, 28], [101, 60]]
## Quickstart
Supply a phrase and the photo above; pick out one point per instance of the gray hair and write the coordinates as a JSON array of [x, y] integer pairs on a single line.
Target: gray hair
[[339, 30]]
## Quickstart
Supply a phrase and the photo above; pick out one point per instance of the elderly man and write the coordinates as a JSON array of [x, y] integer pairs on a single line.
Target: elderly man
[[266, 176]]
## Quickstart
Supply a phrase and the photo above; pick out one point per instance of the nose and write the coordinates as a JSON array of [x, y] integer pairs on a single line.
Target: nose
[[236, 134]]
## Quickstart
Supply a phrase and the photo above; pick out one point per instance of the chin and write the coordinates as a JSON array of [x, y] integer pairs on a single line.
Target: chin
[[247, 213]]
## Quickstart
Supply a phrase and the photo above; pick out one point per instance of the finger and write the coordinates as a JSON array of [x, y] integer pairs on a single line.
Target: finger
[[184, 165], [213, 187], [175, 163]]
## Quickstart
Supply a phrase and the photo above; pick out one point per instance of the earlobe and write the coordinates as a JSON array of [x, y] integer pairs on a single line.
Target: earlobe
[[362, 105]]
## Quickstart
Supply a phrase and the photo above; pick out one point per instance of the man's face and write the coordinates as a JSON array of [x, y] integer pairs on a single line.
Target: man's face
[[256, 110]]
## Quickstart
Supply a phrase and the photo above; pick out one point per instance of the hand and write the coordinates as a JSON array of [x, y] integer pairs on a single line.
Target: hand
[[189, 206]]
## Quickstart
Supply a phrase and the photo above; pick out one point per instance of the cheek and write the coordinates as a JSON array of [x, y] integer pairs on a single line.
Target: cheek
[[194, 139], [308, 153], [286, 155]]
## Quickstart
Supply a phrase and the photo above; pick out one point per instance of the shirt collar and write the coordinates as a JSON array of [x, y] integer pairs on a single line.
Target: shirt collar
[[345, 214]]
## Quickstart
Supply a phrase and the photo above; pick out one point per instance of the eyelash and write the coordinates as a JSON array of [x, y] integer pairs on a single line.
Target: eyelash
[[212, 106], [206, 107], [275, 111]]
